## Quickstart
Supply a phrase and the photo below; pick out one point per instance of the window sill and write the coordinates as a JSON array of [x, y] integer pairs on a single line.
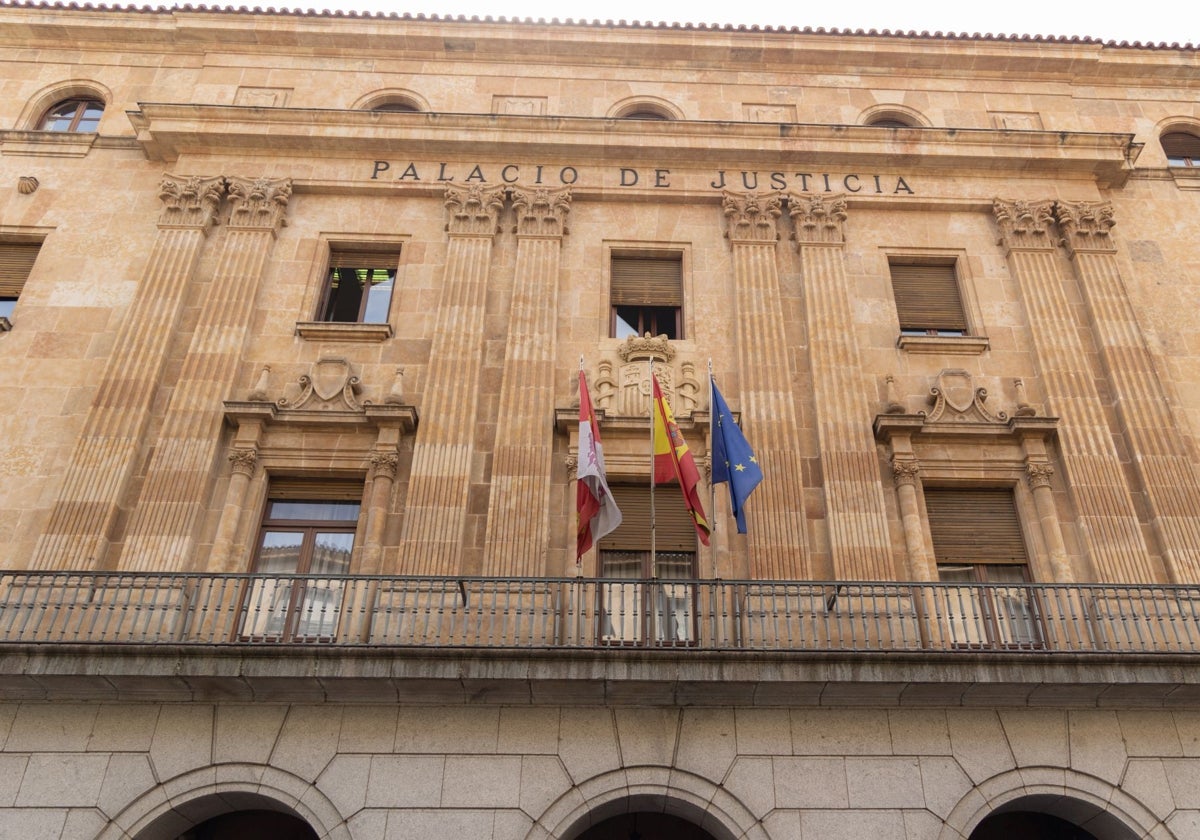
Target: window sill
[[341, 331], [963, 345], [47, 143], [1186, 177]]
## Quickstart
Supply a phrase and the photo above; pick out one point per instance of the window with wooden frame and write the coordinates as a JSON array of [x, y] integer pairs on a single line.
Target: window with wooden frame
[[983, 564], [1181, 148], [16, 263], [360, 285], [304, 547], [928, 298], [81, 116], [641, 600], [647, 295]]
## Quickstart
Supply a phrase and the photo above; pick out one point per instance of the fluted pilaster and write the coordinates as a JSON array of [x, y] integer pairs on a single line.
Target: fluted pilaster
[[776, 524], [182, 470], [1160, 458], [854, 502], [1107, 520], [439, 483], [518, 520], [82, 521]]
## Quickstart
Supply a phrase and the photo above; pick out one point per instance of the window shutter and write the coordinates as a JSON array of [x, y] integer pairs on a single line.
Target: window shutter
[[976, 525], [16, 262], [316, 489], [927, 297], [1179, 144], [674, 528], [645, 281], [363, 258]]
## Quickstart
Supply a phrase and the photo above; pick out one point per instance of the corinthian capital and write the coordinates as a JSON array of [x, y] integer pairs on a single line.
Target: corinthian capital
[[905, 471], [243, 460], [190, 201], [259, 203], [818, 219], [473, 210], [1085, 226], [1025, 225], [752, 216], [385, 463], [1038, 475], [542, 211]]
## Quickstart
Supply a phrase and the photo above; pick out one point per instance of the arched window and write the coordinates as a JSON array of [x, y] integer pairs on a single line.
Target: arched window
[[397, 107], [81, 115], [1181, 148]]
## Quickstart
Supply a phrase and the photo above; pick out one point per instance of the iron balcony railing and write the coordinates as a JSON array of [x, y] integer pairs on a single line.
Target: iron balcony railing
[[583, 613]]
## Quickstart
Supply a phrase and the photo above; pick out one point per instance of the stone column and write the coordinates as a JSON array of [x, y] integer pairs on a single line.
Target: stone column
[[1160, 458], [518, 519], [384, 463], [180, 477], [776, 525], [854, 506], [906, 473], [436, 511], [84, 516], [242, 462], [1037, 474], [1107, 521]]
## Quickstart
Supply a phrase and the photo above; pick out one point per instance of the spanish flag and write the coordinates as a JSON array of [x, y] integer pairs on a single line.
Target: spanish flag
[[673, 461]]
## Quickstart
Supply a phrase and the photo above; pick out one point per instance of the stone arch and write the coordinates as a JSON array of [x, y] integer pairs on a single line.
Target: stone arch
[[52, 94], [391, 96], [892, 113], [1100, 807], [168, 809], [655, 789], [645, 107]]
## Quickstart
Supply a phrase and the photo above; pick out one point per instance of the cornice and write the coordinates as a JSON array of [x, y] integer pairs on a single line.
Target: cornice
[[167, 131]]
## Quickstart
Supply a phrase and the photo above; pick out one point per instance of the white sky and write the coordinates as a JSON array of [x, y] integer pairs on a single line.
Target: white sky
[[1149, 21]]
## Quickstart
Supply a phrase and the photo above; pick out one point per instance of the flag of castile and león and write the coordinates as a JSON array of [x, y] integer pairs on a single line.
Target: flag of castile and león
[[598, 511], [673, 461]]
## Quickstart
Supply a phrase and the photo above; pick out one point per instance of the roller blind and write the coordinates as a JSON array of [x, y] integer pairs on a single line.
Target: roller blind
[[647, 281], [975, 525], [674, 529], [363, 258], [927, 297], [16, 261], [316, 489], [1179, 144]]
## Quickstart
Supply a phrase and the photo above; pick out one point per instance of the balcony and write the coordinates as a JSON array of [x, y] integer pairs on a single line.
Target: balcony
[[84, 635]]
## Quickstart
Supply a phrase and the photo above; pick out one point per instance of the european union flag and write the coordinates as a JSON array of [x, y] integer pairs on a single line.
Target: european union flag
[[733, 459]]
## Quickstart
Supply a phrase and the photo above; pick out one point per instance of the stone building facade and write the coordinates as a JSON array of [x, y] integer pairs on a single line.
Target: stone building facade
[[292, 309]]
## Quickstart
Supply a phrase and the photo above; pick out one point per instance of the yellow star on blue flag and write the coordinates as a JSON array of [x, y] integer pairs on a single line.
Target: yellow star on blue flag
[[733, 460]]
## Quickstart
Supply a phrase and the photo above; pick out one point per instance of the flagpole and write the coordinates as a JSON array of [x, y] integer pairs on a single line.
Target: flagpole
[[653, 524], [712, 487], [578, 455]]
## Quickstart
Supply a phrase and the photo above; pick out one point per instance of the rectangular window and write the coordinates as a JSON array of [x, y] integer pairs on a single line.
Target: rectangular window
[[928, 297], [16, 263], [981, 558], [359, 286], [647, 296], [305, 543], [643, 602]]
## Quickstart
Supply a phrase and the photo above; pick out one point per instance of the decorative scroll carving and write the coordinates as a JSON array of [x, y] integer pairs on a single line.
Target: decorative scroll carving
[[473, 210], [751, 216], [1025, 224], [385, 463], [1086, 225], [1024, 408], [330, 385], [571, 462], [259, 202], [190, 201], [688, 390], [606, 386], [541, 212], [818, 218], [243, 461], [955, 399], [905, 471], [27, 184], [1038, 474], [642, 348]]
